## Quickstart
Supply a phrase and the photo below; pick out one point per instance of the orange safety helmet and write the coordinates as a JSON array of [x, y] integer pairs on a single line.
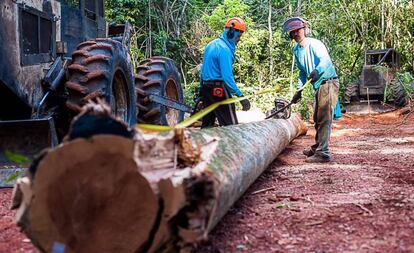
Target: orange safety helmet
[[236, 23]]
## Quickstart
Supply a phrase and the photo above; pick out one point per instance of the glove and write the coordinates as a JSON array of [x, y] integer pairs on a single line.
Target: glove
[[314, 76], [296, 97], [245, 104]]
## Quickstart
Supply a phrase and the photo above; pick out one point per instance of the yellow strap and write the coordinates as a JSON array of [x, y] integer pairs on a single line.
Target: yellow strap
[[200, 114]]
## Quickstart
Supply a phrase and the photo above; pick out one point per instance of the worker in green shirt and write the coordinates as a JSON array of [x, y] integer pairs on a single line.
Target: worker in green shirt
[[313, 61]]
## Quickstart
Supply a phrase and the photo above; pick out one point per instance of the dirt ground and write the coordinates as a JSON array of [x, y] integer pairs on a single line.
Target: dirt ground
[[363, 201]]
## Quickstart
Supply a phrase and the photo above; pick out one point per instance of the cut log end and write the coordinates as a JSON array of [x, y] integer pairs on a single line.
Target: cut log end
[[84, 203]]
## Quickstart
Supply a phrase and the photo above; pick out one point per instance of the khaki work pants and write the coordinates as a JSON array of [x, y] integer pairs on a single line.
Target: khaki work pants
[[326, 98]]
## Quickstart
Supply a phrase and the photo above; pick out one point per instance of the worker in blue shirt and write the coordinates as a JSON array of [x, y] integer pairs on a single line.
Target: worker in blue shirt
[[217, 80], [313, 61]]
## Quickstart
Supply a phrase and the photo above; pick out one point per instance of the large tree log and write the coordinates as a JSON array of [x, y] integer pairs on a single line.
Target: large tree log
[[157, 192], [243, 153]]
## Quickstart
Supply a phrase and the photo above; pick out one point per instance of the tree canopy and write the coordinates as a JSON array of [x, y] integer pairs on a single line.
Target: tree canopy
[[180, 29]]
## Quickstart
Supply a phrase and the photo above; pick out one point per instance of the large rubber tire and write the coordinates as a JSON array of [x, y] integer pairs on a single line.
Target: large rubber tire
[[102, 68], [399, 95], [158, 75], [351, 93]]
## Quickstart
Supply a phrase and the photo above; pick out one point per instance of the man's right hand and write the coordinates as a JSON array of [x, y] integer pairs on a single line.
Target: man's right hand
[[296, 97], [314, 76], [245, 104]]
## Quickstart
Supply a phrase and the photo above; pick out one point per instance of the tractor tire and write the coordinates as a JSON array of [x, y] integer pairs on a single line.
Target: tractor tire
[[398, 94], [158, 75], [351, 93], [102, 68]]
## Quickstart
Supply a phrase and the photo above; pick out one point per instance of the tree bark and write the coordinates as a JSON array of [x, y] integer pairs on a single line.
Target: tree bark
[[156, 192]]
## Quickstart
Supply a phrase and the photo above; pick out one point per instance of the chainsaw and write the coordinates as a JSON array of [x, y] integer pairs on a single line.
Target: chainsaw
[[283, 108]]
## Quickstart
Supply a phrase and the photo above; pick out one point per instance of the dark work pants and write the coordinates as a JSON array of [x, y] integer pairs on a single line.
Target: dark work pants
[[326, 98], [213, 92]]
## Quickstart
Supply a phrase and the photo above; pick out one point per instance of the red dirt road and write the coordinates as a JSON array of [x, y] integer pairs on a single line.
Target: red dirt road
[[363, 201]]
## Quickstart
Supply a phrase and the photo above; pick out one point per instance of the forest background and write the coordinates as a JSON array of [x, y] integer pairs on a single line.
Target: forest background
[[180, 29]]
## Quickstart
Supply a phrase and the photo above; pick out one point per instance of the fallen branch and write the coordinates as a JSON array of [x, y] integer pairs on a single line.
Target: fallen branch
[[364, 209], [310, 201], [314, 223], [264, 190]]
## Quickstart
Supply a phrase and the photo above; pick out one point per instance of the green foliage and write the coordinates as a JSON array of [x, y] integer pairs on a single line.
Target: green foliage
[[13, 177], [359, 26], [191, 93], [181, 29], [305, 105], [253, 61], [121, 11], [384, 70], [405, 80], [281, 206], [15, 157], [18, 159], [402, 79], [230, 8]]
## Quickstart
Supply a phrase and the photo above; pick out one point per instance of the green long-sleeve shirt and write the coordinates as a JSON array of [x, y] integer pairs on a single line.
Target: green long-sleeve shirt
[[313, 55]]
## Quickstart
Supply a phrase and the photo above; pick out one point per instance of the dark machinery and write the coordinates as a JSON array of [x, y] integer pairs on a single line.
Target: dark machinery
[[377, 78], [56, 55]]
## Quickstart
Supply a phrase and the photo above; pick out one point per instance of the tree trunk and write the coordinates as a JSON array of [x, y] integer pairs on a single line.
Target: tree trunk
[[269, 24], [158, 191]]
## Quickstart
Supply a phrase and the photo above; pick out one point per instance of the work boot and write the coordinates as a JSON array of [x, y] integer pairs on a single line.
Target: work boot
[[317, 159], [308, 152]]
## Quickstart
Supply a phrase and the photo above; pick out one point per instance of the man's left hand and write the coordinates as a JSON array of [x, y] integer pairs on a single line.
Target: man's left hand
[[245, 104], [314, 76]]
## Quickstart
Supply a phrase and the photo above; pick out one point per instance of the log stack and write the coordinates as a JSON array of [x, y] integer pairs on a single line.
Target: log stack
[[144, 192]]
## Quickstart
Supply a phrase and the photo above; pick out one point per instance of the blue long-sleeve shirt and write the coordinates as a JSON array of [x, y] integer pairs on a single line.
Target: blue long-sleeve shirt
[[313, 55], [218, 61]]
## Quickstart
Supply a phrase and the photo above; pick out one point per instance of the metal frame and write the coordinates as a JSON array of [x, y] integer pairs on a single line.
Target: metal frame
[[83, 27], [394, 55], [97, 11], [33, 59], [373, 80]]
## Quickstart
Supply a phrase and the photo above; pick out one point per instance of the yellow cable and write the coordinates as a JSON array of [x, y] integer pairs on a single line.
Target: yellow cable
[[200, 114]]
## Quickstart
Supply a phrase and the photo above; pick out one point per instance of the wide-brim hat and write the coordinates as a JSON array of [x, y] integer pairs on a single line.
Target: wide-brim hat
[[294, 23]]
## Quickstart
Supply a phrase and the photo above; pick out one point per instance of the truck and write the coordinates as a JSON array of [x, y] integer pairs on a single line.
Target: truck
[[55, 56], [377, 78]]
